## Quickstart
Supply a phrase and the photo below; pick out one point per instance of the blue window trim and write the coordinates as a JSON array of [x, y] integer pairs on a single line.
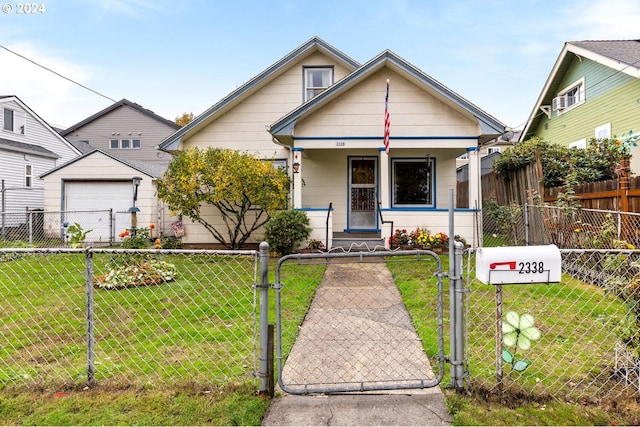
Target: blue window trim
[[433, 205]]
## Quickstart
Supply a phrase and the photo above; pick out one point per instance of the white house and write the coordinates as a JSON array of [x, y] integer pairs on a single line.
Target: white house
[[321, 114], [29, 147]]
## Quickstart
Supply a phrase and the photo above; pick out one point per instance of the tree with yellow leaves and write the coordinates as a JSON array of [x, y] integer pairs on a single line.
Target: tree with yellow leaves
[[242, 188]]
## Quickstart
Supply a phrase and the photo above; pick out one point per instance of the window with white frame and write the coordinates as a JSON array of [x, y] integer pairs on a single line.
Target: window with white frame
[[125, 144], [316, 79], [412, 182], [28, 176], [604, 131], [491, 150], [569, 97], [14, 121]]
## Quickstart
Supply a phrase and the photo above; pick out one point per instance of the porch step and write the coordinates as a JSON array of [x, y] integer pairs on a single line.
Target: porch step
[[357, 242]]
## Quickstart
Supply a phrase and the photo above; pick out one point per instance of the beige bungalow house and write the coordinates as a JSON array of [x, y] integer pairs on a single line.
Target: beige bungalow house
[[320, 114]]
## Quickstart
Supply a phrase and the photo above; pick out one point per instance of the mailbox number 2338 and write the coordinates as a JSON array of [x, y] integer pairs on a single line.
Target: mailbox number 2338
[[531, 267]]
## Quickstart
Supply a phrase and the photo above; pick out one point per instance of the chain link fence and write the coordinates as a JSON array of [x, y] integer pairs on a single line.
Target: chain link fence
[[589, 323], [589, 331], [567, 228], [37, 228], [357, 334], [126, 318]]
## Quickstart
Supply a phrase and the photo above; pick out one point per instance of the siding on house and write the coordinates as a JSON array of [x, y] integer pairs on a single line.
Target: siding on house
[[39, 146], [610, 98], [612, 90], [413, 111], [244, 126], [17, 197], [39, 134], [125, 122]]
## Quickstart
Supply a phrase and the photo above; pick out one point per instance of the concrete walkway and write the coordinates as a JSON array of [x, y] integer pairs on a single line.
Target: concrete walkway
[[357, 333]]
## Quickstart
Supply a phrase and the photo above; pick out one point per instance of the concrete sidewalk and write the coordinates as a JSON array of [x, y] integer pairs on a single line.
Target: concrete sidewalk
[[357, 332]]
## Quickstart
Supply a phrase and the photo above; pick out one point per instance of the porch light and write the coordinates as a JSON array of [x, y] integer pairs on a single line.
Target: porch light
[[296, 167]]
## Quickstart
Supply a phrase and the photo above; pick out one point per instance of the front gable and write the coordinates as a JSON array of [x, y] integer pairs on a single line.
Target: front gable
[[592, 84], [416, 113]]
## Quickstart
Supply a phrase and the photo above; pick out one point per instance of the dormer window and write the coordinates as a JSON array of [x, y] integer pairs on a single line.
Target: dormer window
[[316, 79]]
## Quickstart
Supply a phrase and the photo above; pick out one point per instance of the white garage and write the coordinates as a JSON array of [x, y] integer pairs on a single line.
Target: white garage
[[100, 206], [86, 189]]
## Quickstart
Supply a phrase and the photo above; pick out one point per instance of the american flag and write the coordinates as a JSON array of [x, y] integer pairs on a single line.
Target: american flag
[[386, 120]]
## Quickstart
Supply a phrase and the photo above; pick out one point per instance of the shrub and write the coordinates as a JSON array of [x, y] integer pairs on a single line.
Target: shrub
[[285, 229], [77, 235], [139, 238]]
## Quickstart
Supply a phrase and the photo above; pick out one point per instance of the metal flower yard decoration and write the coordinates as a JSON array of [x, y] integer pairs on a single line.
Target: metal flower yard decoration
[[625, 143], [518, 331]]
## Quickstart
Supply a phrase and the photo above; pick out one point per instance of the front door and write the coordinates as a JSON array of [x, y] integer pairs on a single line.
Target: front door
[[362, 193]]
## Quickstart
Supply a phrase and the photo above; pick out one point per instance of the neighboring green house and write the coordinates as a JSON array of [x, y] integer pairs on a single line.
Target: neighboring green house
[[593, 91]]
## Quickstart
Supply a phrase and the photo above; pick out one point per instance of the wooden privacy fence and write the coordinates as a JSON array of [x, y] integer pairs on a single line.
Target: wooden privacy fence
[[520, 187], [517, 187]]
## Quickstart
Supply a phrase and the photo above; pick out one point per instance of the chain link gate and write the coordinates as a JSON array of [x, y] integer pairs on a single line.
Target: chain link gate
[[357, 334]]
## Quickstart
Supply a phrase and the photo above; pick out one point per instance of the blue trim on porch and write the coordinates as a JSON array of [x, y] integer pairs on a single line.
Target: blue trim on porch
[[362, 230], [429, 210], [323, 138]]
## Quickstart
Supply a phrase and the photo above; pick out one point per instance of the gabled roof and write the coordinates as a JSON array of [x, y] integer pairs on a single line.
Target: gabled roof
[[283, 128], [121, 103], [314, 44], [620, 55], [8, 98], [152, 170]]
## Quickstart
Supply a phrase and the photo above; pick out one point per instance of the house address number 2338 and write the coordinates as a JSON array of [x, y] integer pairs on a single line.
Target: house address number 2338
[[530, 267]]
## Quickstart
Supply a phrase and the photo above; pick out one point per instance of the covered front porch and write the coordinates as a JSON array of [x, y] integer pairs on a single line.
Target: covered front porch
[[359, 197]]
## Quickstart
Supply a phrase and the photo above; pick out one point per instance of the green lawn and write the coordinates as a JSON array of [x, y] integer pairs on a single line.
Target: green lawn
[[182, 352]]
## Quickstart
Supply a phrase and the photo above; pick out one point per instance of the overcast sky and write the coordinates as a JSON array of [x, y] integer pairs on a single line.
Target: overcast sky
[[185, 55]]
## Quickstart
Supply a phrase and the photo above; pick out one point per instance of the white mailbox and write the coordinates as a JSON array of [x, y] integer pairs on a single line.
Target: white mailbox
[[518, 264]]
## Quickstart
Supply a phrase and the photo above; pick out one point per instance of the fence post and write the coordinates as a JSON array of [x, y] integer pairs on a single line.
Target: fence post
[[91, 368], [458, 360], [263, 370]]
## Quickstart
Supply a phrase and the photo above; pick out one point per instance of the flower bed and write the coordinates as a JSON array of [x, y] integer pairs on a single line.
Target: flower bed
[[143, 273], [419, 238]]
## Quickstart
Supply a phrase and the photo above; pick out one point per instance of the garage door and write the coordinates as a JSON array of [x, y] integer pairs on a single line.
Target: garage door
[[83, 197]]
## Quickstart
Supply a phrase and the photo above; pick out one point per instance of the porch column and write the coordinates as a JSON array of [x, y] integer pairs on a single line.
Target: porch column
[[297, 177], [383, 189], [475, 192]]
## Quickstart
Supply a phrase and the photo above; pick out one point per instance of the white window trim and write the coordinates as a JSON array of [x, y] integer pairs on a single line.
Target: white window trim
[[28, 175], [581, 94], [130, 147], [491, 150], [19, 121], [305, 77], [603, 128]]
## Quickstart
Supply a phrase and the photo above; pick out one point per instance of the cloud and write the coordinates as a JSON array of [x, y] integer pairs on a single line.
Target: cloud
[[48, 95], [604, 19], [129, 7]]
